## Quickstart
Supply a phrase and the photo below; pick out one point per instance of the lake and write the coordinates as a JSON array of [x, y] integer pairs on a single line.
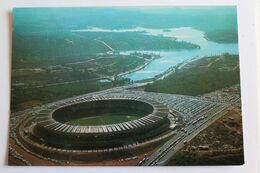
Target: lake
[[172, 58]]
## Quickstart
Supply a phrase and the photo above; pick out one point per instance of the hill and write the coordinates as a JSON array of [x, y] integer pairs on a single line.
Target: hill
[[200, 76]]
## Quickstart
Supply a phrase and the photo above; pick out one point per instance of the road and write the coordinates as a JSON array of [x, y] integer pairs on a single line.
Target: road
[[104, 43], [197, 114], [164, 153]]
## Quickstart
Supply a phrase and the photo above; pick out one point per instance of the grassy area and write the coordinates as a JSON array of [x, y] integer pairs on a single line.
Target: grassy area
[[201, 76], [103, 119]]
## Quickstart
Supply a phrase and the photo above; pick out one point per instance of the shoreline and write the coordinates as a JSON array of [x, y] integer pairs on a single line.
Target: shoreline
[[170, 70], [138, 67]]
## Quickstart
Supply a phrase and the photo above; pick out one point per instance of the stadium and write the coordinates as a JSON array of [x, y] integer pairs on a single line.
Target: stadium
[[96, 124], [116, 126]]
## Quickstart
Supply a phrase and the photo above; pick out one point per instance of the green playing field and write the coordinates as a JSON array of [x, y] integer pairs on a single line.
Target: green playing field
[[103, 119]]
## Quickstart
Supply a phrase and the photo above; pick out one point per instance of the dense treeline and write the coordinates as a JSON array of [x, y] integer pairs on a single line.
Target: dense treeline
[[139, 41], [44, 36], [214, 21], [222, 36], [23, 98], [27, 98], [199, 79], [36, 51]]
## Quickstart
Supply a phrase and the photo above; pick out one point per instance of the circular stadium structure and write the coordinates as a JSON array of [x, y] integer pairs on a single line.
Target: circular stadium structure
[[94, 125]]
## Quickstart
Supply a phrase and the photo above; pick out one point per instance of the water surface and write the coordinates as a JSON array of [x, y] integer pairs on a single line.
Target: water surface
[[171, 58]]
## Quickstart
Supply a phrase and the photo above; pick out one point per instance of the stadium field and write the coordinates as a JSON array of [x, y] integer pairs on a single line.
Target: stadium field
[[103, 119]]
